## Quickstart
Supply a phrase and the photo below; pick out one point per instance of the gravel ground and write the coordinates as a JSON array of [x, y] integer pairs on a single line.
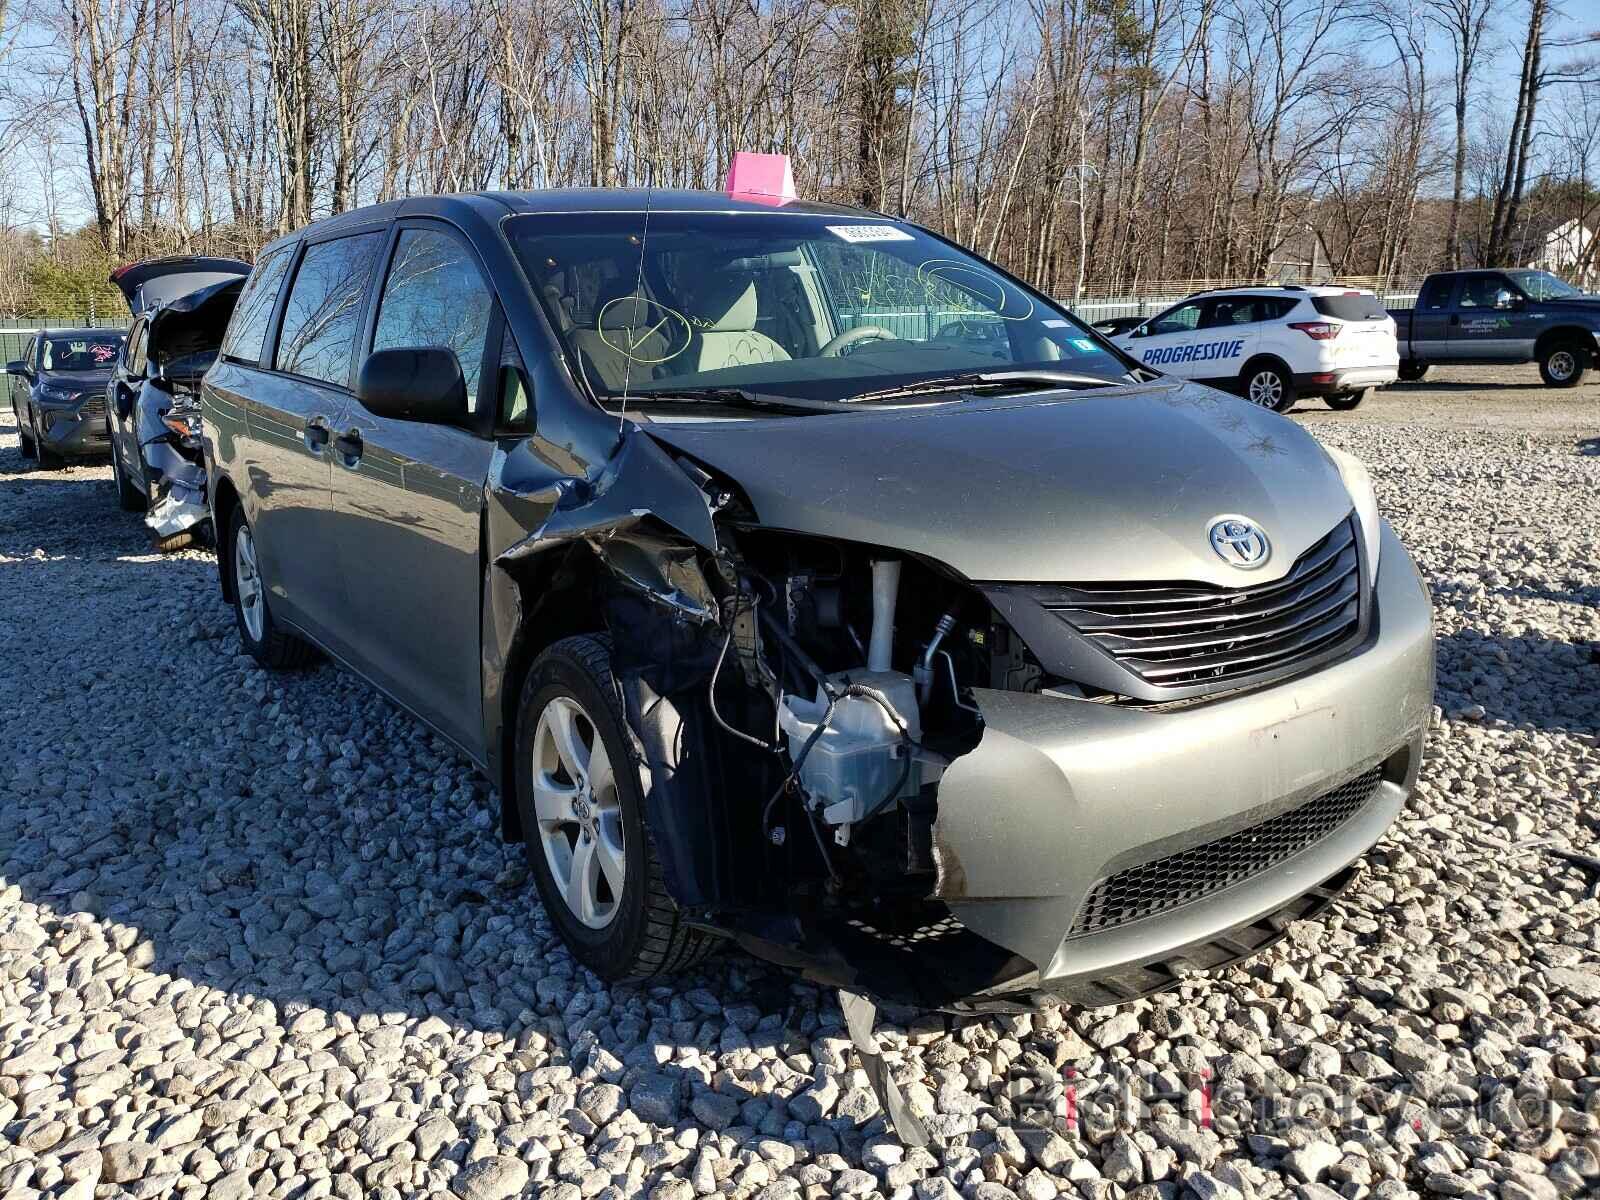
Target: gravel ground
[[258, 936]]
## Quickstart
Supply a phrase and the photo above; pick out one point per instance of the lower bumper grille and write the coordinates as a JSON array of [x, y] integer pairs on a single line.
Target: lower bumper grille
[[1164, 884]]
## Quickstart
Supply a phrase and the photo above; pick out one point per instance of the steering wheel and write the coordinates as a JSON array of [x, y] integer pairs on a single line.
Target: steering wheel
[[851, 336]]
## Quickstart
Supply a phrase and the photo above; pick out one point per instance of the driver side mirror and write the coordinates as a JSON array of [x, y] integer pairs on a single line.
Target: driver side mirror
[[1505, 300], [16, 367], [414, 383], [1139, 331]]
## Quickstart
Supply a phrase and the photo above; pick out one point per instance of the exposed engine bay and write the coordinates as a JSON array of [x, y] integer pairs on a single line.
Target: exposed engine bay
[[798, 699]]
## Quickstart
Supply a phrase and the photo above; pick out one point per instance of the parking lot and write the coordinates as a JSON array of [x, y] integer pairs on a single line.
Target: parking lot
[[258, 935]]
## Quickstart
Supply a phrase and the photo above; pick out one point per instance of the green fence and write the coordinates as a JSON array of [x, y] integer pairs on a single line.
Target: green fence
[[16, 331]]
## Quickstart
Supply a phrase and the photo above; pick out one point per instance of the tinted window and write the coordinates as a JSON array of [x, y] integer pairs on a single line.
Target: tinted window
[[247, 331], [1247, 310], [1480, 290], [323, 315], [1435, 293], [434, 296], [1350, 308], [1178, 320], [136, 356]]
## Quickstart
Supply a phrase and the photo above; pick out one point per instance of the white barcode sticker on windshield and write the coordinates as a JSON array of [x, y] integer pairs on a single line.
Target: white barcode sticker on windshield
[[869, 233]]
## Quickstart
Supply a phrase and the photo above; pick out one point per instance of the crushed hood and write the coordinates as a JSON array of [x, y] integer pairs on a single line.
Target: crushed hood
[[1084, 487]]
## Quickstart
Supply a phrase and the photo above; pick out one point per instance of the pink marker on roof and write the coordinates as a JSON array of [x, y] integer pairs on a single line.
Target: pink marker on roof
[[763, 178]]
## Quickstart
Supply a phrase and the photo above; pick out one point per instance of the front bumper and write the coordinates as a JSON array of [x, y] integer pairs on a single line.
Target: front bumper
[[1061, 794], [73, 434], [1350, 379]]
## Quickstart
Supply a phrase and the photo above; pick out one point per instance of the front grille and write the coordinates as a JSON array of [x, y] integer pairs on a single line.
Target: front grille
[[1188, 634], [1163, 884], [94, 406]]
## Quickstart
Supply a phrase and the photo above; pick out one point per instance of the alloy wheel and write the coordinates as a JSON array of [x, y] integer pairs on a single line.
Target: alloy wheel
[[578, 812], [247, 584], [1266, 389], [1562, 364]]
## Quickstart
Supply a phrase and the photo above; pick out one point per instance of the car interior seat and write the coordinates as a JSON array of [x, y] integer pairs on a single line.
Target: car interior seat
[[722, 308], [632, 336]]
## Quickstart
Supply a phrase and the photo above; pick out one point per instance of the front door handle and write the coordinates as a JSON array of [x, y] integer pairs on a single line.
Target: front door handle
[[1455, 318], [348, 446], [317, 434]]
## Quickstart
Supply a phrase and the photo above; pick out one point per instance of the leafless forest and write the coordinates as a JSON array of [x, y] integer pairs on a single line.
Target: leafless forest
[[1089, 145]]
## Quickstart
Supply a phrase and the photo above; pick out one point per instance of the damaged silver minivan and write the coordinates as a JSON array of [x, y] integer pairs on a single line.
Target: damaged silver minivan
[[802, 578]]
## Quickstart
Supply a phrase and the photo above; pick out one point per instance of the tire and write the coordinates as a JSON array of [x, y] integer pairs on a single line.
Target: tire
[[47, 460], [570, 699], [1269, 385], [1563, 364], [1347, 401], [24, 438], [129, 498], [262, 637], [1410, 372]]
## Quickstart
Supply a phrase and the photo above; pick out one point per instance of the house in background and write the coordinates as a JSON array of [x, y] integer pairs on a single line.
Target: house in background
[[1564, 247]]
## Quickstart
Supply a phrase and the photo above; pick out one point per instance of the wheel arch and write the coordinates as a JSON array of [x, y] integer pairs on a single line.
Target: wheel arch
[[1265, 358], [555, 595], [1579, 338], [224, 500]]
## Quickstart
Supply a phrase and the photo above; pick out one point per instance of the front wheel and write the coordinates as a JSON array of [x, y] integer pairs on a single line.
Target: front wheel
[[1562, 365], [25, 438], [1411, 371], [1269, 386], [1347, 401], [265, 641], [581, 801], [47, 459]]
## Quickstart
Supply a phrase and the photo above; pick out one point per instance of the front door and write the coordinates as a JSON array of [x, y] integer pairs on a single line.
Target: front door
[[408, 497], [1484, 327], [1167, 342]]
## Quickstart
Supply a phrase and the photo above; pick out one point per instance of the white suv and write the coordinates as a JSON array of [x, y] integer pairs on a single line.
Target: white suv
[[1274, 344]]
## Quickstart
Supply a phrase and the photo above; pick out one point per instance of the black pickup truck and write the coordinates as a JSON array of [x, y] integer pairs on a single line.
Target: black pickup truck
[[1499, 316]]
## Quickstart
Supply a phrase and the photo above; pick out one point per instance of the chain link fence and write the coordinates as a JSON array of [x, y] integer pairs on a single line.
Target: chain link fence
[[918, 323], [17, 331]]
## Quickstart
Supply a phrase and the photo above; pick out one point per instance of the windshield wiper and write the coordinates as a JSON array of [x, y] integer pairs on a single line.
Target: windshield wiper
[[733, 397], [987, 380]]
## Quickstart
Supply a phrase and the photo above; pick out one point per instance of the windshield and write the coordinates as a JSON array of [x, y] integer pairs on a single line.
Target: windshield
[[1541, 285], [95, 352], [796, 305]]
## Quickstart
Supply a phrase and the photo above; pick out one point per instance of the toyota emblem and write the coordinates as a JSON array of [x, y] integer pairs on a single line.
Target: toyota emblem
[[1239, 542]]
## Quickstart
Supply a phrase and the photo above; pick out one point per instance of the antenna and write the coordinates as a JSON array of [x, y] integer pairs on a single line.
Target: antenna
[[638, 287]]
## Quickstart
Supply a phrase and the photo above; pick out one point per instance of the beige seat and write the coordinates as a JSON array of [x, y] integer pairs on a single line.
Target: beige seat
[[628, 326], [722, 308]]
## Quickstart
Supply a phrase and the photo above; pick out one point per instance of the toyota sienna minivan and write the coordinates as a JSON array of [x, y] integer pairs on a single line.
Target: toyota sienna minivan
[[802, 579]]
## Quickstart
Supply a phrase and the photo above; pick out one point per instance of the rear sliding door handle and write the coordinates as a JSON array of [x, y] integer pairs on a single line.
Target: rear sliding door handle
[[317, 434], [348, 446]]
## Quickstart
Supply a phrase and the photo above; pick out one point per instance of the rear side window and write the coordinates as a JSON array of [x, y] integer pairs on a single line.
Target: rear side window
[[135, 351], [247, 331], [323, 314], [1247, 310], [1350, 308], [434, 296], [1435, 293]]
